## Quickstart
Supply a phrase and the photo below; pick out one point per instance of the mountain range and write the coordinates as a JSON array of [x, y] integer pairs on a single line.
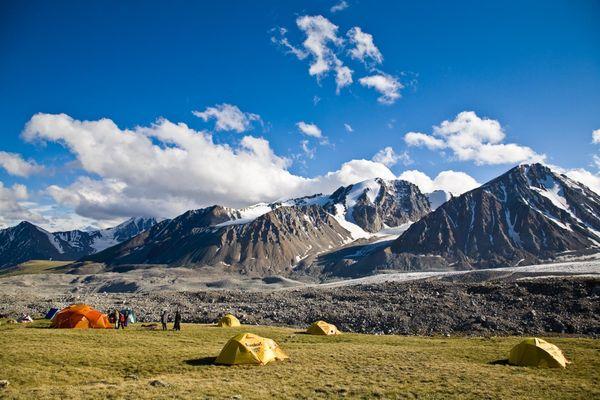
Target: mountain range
[[530, 213], [26, 241], [526, 215], [273, 238]]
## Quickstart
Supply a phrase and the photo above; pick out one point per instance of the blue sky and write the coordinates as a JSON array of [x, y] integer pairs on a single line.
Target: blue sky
[[532, 67]]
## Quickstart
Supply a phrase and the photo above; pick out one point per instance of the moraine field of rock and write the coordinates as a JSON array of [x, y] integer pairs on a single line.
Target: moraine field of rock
[[476, 303]]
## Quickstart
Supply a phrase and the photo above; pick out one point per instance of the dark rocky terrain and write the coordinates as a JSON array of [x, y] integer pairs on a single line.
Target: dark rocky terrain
[[481, 305]]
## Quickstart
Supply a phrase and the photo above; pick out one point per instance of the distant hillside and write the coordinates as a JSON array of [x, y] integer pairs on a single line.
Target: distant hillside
[[30, 242]]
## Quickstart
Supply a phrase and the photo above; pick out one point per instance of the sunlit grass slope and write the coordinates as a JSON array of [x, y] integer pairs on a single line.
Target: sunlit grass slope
[[35, 267], [107, 364]]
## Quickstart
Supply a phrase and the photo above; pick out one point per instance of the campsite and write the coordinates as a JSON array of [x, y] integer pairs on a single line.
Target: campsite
[[309, 199], [43, 363]]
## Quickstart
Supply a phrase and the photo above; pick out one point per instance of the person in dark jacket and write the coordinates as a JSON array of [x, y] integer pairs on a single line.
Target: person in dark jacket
[[164, 318], [177, 324]]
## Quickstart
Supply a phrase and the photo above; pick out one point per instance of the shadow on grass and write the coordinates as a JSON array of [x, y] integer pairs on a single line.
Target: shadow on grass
[[503, 361], [39, 325], [201, 361]]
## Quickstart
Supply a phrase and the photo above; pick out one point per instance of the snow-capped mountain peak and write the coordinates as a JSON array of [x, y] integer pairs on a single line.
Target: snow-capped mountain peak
[[363, 208], [527, 214]]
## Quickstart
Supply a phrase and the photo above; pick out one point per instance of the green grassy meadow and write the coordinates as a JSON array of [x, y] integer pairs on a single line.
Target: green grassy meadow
[[35, 267], [44, 363]]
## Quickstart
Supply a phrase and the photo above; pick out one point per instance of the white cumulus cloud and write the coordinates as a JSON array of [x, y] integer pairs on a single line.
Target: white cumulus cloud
[[387, 156], [476, 139], [596, 136], [350, 172], [322, 44], [364, 47], [342, 5], [228, 117], [167, 168], [320, 35], [582, 175], [419, 139], [388, 86], [586, 177], [327, 49], [14, 164], [12, 209], [309, 129], [280, 39], [455, 182], [308, 151]]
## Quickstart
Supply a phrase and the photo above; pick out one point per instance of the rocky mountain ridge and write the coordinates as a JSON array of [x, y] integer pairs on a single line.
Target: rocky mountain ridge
[[528, 214], [272, 243], [273, 238], [27, 241]]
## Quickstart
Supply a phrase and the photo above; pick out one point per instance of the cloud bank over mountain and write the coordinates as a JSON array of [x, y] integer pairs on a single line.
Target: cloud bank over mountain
[[472, 138], [167, 168]]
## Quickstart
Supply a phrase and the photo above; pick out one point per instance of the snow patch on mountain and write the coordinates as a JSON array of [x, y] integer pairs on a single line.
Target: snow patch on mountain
[[247, 214], [341, 205], [355, 231], [514, 235], [103, 241], [370, 188], [52, 239]]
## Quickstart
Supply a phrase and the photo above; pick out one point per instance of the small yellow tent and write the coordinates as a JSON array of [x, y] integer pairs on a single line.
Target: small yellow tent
[[322, 328], [534, 352], [229, 321], [247, 348]]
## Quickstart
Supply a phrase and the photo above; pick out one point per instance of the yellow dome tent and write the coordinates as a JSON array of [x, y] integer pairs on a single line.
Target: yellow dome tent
[[229, 321], [322, 328], [248, 348], [534, 352]]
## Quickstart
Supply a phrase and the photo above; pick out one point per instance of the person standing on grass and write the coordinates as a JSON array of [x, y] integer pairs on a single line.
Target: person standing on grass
[[177, 324], [116, 316], [164, 318], [122, 320], [126, 319]]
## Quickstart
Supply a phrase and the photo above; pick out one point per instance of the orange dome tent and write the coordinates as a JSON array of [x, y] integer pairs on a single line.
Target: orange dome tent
[[80, 316]]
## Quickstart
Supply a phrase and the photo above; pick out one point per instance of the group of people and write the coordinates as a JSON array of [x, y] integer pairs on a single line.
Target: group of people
[[120, 319], [164, 319]]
